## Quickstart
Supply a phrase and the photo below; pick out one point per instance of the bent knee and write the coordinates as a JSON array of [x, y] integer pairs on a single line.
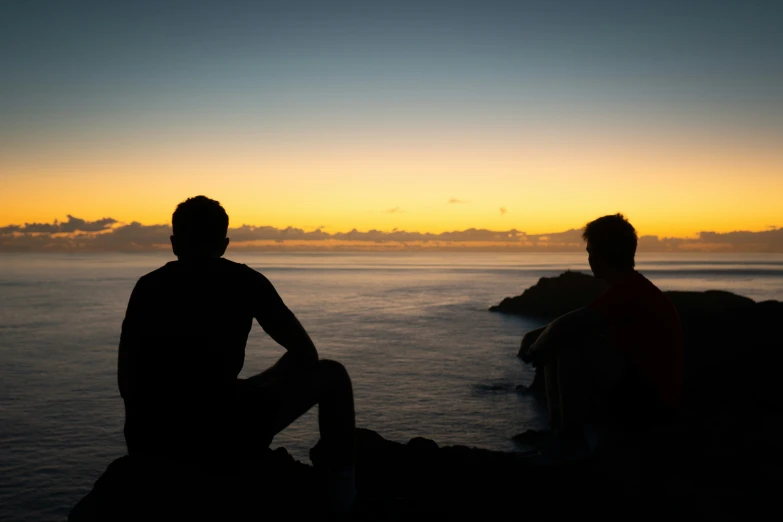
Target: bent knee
[[332, 368]]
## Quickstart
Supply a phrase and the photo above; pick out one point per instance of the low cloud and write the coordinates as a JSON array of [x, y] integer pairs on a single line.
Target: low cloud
[[131, 237], [73, 224], [738, 241], [78, 235]]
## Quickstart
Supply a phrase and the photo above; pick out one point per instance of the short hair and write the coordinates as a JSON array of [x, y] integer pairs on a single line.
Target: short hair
[[199, 224], [613, 238]]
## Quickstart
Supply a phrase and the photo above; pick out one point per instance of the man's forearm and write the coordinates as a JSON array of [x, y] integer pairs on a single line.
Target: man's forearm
[[532, 336], [527, 341], [541, 348]]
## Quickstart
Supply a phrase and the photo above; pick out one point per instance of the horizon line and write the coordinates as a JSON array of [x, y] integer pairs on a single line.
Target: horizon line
[[109, 234]]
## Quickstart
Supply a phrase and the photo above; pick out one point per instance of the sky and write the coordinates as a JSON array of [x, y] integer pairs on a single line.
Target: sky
[[423, 117]]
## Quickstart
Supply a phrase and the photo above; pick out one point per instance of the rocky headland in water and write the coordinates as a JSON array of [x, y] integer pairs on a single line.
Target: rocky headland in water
[[722, 460]]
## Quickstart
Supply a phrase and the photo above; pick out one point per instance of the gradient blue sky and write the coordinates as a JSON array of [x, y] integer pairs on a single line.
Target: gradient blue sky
[[336, 113]]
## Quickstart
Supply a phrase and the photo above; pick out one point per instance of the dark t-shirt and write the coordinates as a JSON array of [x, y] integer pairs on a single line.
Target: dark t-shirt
[[182, 348], [644, 325]]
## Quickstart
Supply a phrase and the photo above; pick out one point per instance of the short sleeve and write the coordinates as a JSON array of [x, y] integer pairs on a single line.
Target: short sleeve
[[265, 303]]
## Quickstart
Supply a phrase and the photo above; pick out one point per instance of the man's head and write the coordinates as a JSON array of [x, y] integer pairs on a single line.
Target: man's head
[[199, 228], [611, 245]]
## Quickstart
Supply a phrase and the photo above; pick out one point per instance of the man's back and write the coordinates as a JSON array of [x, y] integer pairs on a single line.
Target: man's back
[[182, 347], [645, 326]]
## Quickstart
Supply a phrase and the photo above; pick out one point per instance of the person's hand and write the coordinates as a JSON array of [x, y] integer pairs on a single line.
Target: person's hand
[[527, 342], [524, 347]]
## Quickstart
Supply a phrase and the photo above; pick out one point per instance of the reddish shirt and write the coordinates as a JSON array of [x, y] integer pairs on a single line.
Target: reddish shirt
[[645, 325]]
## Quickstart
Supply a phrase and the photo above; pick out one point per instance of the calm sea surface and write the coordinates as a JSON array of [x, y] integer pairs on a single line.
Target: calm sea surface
[[426, 357]]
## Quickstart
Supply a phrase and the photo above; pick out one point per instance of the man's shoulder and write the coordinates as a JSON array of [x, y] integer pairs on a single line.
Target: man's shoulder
[[221, 264], [656, 302], [158, 273], [641, 280], [236, 275], [631, 291], [240, 269], [651, 289], [245, 275], [232, 265]]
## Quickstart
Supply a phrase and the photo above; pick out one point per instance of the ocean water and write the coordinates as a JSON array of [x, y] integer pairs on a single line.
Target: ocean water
[[426, 357]]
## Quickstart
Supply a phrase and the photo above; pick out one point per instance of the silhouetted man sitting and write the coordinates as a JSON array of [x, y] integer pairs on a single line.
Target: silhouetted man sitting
[[183, 346], [618, 359]]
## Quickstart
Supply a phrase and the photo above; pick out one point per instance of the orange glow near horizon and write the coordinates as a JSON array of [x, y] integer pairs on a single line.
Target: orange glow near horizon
[[671, 187]]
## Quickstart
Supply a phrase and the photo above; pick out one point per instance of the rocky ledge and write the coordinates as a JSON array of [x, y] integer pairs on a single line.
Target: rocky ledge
[[398, 481]]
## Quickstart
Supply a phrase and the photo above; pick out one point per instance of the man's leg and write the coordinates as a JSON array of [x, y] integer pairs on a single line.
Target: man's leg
[[327, 385], [589, 371], [545, 352], [552, 385], [288, 398], [578, 367], [575, 390]]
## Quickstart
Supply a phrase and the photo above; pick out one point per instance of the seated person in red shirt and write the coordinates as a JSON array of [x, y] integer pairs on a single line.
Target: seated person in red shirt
[[622, 356], [183, 346]]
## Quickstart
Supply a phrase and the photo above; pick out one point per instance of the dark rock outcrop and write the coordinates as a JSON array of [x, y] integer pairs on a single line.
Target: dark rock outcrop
[[553, 296]]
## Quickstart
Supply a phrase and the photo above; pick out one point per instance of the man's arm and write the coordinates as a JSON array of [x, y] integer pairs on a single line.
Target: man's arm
[[282, 326], [564, 331], [527, 341], [126, 352], [123, 369]]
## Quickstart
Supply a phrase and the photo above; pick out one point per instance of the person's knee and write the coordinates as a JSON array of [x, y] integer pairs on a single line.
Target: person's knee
[[333, 370]]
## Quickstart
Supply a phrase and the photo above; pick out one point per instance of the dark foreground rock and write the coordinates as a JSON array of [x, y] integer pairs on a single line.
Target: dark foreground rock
[[646, 481]]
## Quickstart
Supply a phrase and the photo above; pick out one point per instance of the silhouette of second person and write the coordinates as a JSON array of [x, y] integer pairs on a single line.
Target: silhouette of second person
[[182, 348], [618, 361]]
